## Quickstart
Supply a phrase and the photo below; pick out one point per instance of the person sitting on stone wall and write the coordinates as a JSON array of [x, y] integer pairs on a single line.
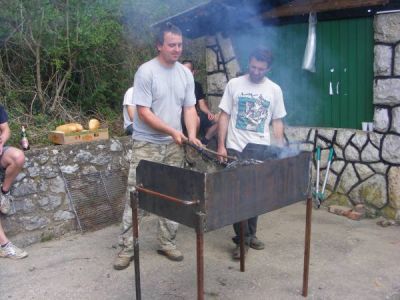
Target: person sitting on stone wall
[[208, 126], [11, 161]]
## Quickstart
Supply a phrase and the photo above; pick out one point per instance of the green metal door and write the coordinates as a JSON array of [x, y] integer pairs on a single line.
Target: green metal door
[[339, 93]]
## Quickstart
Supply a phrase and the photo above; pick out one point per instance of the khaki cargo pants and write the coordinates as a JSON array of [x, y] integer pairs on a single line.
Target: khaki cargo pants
[[170, 154]]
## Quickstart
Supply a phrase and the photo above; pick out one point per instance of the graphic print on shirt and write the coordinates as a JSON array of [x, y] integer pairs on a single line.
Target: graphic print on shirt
[[252, 112]]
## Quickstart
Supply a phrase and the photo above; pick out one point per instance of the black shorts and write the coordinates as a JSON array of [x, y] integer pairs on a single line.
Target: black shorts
[[205, 123]]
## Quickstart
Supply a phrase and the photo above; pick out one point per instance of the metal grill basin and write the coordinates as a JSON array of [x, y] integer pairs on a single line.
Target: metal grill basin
[[227, 196]]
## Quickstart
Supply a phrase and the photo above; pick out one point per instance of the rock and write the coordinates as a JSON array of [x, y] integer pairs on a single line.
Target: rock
[[381, 117], [336, 199], [347, 180], [70, 169], [353, 215], [372, 191], [383, 60], [115, 146], [386, 28], [387, 91], [351, 153], [370, 154], [339, 210], [394, 187], [61, 215], [390, 149]]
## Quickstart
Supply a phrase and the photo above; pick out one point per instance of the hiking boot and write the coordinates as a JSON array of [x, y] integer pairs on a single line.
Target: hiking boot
[[236, 252], [123, 259], [255, 243], [12, 251], [173, 254], [5, 203]]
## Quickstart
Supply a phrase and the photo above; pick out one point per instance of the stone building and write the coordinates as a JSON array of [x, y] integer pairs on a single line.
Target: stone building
[[366, 168]]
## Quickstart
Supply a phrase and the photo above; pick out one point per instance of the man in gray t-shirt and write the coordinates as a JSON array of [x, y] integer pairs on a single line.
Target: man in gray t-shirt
[[163, 90]]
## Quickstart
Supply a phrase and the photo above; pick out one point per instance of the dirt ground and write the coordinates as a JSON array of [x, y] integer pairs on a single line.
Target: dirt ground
[[349, 260]]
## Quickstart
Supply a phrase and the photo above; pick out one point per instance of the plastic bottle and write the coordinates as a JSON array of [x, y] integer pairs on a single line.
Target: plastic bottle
[[24, 140]]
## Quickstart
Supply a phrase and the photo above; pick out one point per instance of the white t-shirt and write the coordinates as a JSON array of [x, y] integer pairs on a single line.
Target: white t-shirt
[[251, 107], [165, 90], [128, 101]]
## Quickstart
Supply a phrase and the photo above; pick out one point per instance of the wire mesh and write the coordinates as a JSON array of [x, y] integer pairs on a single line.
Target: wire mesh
[[98, 198]]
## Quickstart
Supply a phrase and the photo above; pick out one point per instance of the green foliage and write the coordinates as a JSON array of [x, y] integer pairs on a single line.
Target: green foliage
[[69, 60]]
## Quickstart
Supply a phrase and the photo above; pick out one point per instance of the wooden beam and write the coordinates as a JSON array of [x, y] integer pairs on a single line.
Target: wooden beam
[[301, 7]]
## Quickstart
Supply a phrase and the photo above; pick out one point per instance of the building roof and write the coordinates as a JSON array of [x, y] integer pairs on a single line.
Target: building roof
[[230, 15]]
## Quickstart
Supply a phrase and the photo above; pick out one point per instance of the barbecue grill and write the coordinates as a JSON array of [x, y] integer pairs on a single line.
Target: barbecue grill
[[208, 201]]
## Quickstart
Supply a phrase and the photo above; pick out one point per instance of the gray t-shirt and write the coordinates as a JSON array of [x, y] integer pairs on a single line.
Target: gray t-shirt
[[165, 90]]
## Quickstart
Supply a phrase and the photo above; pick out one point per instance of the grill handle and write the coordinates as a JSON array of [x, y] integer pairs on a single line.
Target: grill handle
[[166, 197]]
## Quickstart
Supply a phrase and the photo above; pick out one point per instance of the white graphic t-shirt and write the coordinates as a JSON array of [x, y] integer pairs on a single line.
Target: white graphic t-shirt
[[251, 107]]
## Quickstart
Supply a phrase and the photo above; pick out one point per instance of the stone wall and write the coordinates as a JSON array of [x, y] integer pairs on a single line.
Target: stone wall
[[42, 206], [366, 169], [387, 73]]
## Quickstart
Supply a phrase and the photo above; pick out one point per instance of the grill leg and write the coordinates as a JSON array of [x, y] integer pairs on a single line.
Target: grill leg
[[135, 228], [200, 256], [307, 247], [242, 251]]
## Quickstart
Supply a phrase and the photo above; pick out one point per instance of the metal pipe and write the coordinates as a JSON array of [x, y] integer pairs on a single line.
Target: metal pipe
[[200, 255], [166, 197], [307, 243], [242, 251], [135, 229]]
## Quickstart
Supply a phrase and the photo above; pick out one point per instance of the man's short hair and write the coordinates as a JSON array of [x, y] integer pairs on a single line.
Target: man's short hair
[[262, 54], [167, 27]]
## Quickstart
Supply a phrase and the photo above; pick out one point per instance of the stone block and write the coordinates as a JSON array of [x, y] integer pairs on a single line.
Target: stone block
[[390, 148], [396, 70], [296, 134], [383, 60], [343, 137], [387, 91], [372, 191], [363, 170], [232, 69], [351, 153], [396, 119], [213, 102], [359, 139], [394, 187], [370, 154], [216, 83], [381, 117], [226, 47], [386, 28], [347, 180], [211, 60]]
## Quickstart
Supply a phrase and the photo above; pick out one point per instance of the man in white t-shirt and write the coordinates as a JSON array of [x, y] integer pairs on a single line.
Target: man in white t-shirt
[[128, 111], [249, 104]]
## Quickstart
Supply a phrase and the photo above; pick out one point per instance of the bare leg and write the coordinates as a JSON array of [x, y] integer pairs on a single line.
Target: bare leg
[[12, 160], [3, 238], [211, 131]]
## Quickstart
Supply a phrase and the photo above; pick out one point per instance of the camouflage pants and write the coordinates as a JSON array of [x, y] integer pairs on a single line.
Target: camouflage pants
[[170, 154]]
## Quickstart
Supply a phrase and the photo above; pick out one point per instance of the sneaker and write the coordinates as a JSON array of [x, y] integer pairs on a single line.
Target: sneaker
[[123, 259], [255, 243], [236, 252], [5, 203], [12, 251], [173, 254]]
